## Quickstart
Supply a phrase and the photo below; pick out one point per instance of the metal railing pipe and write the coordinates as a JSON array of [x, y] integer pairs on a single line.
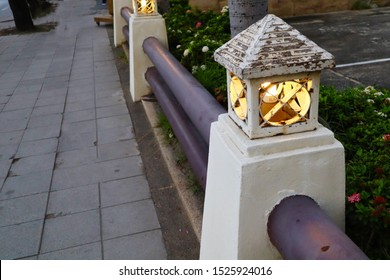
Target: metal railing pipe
[[300, 229], [126, 13], [194, 147], [196, 101], [125, 31]]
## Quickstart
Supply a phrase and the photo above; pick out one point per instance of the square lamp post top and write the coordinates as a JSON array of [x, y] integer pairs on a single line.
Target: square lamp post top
[[273, 74]]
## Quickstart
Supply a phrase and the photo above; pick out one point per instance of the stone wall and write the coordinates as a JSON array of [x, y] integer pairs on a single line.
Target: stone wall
[[285, 8]]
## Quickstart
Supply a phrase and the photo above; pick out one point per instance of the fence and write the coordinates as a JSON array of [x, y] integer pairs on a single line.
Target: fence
[[202, 128]]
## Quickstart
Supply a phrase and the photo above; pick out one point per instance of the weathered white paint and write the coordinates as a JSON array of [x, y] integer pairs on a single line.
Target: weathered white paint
[[247, 178], [271, 47], [142, 27], [119, 22]]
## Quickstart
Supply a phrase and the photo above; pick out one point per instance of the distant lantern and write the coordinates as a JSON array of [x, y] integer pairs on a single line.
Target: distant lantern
[[145, 7], [273, 75]]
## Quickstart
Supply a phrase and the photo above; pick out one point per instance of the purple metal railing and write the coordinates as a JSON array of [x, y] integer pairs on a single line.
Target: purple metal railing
[[201, 108], [300, 229], [194, 147], [126, 13]]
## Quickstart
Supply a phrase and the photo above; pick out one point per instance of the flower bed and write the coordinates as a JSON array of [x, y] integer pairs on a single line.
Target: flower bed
[[359, 118]]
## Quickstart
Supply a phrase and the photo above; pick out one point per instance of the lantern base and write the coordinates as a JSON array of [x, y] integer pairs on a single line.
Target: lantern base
[[247, 178], [140, 29]]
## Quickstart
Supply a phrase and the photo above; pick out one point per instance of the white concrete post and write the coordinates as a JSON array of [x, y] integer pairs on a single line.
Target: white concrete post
[[142, 27], [119, 21], [247, 178]]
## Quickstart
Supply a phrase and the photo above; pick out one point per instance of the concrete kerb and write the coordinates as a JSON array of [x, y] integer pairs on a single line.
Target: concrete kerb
[[192, 205]]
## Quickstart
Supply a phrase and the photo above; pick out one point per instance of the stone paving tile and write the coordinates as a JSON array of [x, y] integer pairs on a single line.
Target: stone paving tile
[[38, 147], [33, 183], [71, 230], [120, 168], [38, 133], [117, 150], [114, 121], [23, 209], [115, 134], [8, 151], [92, 251], [80, 105], [12, 125], [78, 116], [56, 92], [76, 158], [142, 246], [124, 191], [11, 137], [51, 100], [4, 167], [73, 200], [48, 110], [20, 102], [45, 120], [109, 111], [109, 101], [26, 165], [130, 218], [76, 141], [19, 241], [75, 177], [17, 114]]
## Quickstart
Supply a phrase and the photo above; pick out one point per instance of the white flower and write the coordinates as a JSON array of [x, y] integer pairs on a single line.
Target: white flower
[[203, 67], [186, 52], [225, 9], [378, 93], [194, 69], [387, 100], [178, 46], [368, 89], [381, 114], [205, 49], [370, 101]]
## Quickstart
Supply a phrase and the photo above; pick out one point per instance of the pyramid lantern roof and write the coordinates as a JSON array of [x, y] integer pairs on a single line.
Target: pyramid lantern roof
[[271, 47]]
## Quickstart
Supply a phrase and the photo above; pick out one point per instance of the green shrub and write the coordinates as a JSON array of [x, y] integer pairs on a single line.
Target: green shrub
[[359, 117]]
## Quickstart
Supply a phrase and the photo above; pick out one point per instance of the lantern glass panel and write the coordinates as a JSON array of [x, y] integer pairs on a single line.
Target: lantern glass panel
[[284, 103], [146, 7], [238, 97]]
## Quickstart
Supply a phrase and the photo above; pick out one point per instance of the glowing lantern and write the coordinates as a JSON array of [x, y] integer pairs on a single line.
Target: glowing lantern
[[145, 7], [273, 75]]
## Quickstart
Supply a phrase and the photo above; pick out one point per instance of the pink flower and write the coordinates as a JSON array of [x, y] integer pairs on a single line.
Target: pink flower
[[386, 137], [355, 197], [198, 24]]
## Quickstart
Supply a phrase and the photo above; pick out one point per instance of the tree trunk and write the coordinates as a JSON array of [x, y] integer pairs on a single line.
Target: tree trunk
[[22, 15], [244, 13]]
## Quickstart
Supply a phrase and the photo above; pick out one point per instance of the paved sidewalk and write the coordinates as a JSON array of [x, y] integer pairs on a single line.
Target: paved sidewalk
[[71, 176]]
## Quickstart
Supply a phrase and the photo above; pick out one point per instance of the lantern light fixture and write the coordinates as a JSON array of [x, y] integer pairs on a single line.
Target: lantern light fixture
[[145, 7], [273, 74]]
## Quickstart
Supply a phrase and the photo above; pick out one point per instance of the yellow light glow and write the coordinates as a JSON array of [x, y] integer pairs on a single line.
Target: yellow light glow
[[238, 97], [284, 103], [145, 6]]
